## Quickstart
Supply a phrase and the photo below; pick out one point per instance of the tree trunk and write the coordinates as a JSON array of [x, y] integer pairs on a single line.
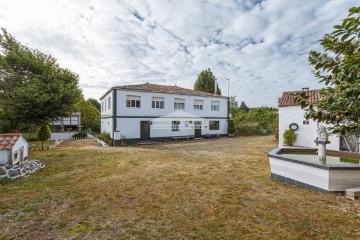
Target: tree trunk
[[42, 145]]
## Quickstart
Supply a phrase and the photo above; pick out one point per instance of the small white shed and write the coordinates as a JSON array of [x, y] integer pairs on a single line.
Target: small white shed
[[13, 148], [292, 116]]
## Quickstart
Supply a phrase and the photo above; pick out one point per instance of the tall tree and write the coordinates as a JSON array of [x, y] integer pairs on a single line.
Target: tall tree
[[95, 103], [338, 66], [90, 116], [33, 88], [206, 82]]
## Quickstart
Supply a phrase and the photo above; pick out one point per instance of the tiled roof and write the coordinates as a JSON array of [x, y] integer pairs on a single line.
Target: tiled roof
[[149, 87], [7, 141], [288, 99]]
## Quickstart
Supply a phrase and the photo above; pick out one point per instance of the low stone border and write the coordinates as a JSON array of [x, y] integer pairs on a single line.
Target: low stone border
[[102, 143], [23, 169], [57, 143]]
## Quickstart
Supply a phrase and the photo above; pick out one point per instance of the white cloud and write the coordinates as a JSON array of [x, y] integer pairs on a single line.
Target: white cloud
[[261, 46]]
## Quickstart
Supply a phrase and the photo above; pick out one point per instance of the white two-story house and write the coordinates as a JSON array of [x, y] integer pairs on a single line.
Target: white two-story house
[[151, 112]]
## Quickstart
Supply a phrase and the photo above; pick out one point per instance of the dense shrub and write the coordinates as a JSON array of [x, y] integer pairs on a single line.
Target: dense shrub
[[276, 132], [289, 137], [105, 137], [81, 134], [90, 115], [231, 127], [260, 120], [246, 128]]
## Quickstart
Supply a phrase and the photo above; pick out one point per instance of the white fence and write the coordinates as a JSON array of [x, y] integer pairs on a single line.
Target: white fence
[[62, 135]]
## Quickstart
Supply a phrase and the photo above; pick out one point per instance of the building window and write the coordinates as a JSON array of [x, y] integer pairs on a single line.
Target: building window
[[109, 101], [133, 101], [105, 105], [215, 106], [16, 155], [175, 126], [102, 106], [306, 122], [198, 104], [179, 103], [214, 125], [157, 102]]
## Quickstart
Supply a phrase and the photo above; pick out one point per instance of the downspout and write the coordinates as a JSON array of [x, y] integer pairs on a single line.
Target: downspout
[[114, 92]]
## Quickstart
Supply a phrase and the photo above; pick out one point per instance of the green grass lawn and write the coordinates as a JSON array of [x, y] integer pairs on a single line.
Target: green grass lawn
[[38, 144], [217, 189]]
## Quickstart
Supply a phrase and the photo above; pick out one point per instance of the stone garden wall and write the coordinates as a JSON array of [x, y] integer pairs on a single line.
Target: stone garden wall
[[23, 169]]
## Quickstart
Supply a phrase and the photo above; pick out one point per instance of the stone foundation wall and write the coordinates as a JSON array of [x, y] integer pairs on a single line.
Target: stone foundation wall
[[23, 169]]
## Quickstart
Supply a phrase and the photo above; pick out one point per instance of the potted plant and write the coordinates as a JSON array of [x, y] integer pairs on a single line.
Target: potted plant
[[122, 139], [289, 137]]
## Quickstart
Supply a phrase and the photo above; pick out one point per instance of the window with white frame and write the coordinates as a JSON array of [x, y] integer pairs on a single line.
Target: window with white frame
[[133, 101], [175, 126], [214, 125], [109, 101], [105, 105], [179, 103], [158, 102], [198, 104], [102, 106], [215, 106]]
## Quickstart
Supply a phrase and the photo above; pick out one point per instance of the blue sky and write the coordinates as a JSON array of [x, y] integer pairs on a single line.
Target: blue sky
[[261, 46]]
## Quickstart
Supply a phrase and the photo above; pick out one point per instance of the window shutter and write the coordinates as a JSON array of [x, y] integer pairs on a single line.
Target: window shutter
[[179, 100], [128, 97]]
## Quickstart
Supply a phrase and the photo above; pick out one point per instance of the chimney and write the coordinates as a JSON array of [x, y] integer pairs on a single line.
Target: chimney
[[305, 88]]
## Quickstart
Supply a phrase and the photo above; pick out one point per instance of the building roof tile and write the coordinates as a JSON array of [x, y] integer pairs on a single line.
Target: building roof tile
[[149, 87], [8, 140], [288, 98]]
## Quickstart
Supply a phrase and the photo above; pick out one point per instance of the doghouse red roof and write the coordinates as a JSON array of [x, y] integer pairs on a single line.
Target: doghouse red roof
[[8, 140]]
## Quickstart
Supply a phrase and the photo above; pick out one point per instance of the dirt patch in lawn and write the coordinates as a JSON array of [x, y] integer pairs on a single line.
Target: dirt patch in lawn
[[216, 189]]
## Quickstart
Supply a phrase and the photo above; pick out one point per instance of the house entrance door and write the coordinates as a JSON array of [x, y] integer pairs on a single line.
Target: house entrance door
[[21, 159], [197, 126], [145, 131]]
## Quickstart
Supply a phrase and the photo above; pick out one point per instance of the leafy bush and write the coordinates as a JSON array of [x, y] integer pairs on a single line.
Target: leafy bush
[[105, 137], [231, 127], [257, 121], [90, 115], [276, 132], [289, 137], [247, 128], [81, 134]]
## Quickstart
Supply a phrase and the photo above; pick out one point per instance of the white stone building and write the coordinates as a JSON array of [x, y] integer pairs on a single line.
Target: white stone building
[[151, 112], [292, 116], [13, 149]]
